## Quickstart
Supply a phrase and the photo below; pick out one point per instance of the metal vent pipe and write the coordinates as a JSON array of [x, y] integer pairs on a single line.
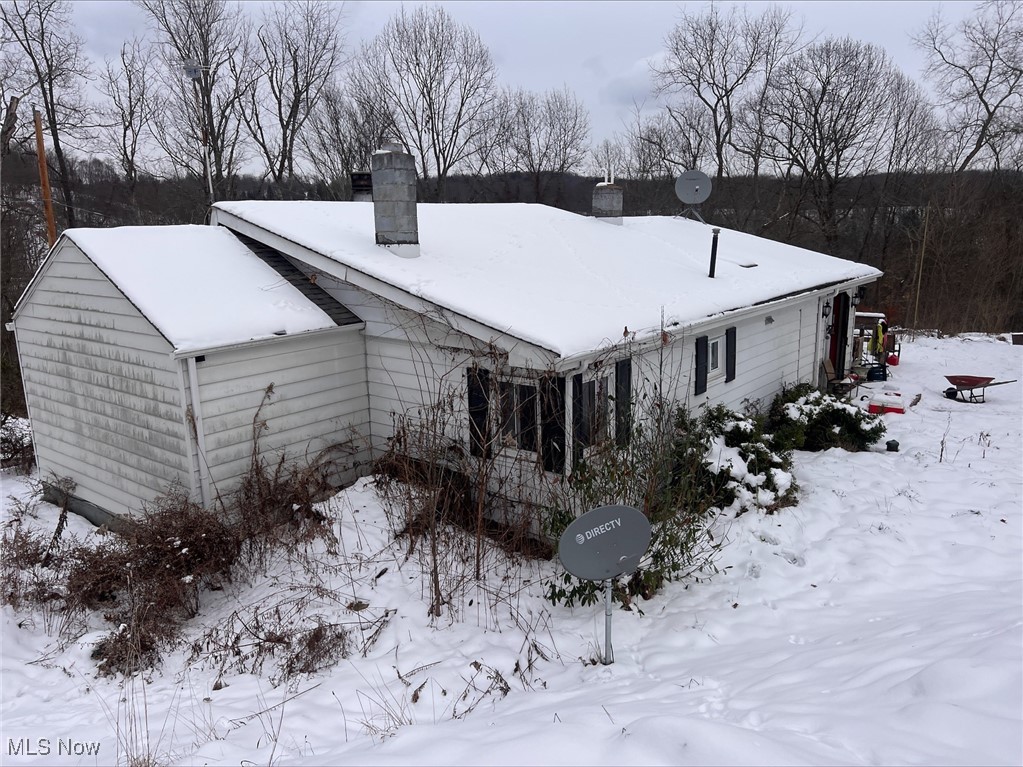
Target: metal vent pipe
[[714, 251]]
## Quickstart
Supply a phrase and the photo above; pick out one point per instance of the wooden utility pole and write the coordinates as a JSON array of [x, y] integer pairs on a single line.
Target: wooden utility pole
[[920, 268], [44, 180]]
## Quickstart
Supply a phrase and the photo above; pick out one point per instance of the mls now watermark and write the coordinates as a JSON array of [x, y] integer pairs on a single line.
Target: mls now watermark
[[52, 747]]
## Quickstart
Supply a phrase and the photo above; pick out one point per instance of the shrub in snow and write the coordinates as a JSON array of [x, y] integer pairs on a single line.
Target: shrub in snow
[[802, 418], [16, 443], [684, 472], [148, 579], [760, 470]]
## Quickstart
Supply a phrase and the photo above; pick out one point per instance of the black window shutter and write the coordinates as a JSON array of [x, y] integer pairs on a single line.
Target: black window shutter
[[552, 424], [701, 364], [478, 391], [730, 354], [623, 402], [578, 417]]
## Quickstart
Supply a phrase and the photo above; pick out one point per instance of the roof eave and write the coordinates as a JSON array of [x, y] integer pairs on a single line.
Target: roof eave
[[32, 283], [682, 328], [184, 353]]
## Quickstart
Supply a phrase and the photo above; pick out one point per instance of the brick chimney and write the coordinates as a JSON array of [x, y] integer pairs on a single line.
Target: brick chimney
[[394, 200]]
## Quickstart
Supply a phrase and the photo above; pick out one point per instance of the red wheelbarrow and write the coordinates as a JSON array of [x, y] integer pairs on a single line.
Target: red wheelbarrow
[[971, 388]]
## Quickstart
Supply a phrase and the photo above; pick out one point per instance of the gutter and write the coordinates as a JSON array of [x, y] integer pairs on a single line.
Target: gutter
[[180, 354], [679, 329]]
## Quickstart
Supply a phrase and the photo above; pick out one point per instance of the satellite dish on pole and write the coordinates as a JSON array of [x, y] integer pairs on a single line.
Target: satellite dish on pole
[[601, 545], [692, 188]]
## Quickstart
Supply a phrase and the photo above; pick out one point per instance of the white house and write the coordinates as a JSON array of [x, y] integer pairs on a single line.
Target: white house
[[535, 321]]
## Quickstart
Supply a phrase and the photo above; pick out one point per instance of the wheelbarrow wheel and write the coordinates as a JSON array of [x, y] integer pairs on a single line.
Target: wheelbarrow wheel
[[951, 392]]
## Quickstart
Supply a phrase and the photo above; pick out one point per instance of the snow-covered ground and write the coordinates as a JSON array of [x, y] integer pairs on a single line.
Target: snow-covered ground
[[877, 622]]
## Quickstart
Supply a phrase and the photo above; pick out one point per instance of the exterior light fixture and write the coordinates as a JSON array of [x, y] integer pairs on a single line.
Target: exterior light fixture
[[826, 310]]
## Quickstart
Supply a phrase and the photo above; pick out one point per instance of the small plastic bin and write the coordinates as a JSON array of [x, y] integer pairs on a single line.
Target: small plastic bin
[[877, 373], [886, 402]]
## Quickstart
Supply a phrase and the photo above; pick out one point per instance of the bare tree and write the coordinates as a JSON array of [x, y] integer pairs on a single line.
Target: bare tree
[[343, 132], [16, 83], [833, 114], [301, 47], [436, 78], [977, 69], [44, 31], [609, 157], [543, 135], [671, 141], [126, 84], [204, 114], [713, 58]]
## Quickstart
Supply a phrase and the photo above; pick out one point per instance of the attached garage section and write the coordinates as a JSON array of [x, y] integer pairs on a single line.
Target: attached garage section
[[103, 392], [146, 353]]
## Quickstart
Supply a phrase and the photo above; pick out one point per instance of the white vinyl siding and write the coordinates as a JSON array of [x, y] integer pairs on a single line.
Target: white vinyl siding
[[102, 390], [319, 399], [769, 355], [406, 366]]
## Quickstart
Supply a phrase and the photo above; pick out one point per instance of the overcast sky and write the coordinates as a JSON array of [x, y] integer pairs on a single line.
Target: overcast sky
[[598, 49]]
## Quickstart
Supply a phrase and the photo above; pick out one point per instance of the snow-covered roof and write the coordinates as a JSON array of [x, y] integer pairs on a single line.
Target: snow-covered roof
[[562, 281], [199, 285]]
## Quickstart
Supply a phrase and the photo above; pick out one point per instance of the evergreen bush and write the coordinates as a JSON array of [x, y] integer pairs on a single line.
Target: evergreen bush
[[683, 471], [802, 418]]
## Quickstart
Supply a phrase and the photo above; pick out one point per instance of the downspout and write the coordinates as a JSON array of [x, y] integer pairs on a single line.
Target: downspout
[[200, 434], [799, 347], [194, 488]]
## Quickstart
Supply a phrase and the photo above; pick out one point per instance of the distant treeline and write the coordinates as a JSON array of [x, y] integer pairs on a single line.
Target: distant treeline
[[951, 245]]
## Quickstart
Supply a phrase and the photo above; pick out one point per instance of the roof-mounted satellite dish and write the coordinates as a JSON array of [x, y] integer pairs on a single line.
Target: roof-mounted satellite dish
[[692, 188]]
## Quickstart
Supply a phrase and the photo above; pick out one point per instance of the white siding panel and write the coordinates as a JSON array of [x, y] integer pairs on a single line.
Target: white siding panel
[[770, 355], [406, 374], [77, 266], [319, 398], [103, 486], [766, 359], [126, 341], [121, 423], [101, 387]]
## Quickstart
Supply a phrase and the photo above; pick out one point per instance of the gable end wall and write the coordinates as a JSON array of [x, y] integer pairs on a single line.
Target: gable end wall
[[102, 391]]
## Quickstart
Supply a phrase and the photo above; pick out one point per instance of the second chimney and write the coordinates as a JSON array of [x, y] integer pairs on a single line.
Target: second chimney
[[362, 186], [394, 200], [607, 202]]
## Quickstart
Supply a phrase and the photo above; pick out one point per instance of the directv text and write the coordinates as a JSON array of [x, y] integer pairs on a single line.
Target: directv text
[[599, 530]]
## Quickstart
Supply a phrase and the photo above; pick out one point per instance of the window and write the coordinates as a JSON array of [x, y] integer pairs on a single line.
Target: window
[[519, 416], [589, 411], [714, 367], [512, 414], [602, 408], [715, 359]]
